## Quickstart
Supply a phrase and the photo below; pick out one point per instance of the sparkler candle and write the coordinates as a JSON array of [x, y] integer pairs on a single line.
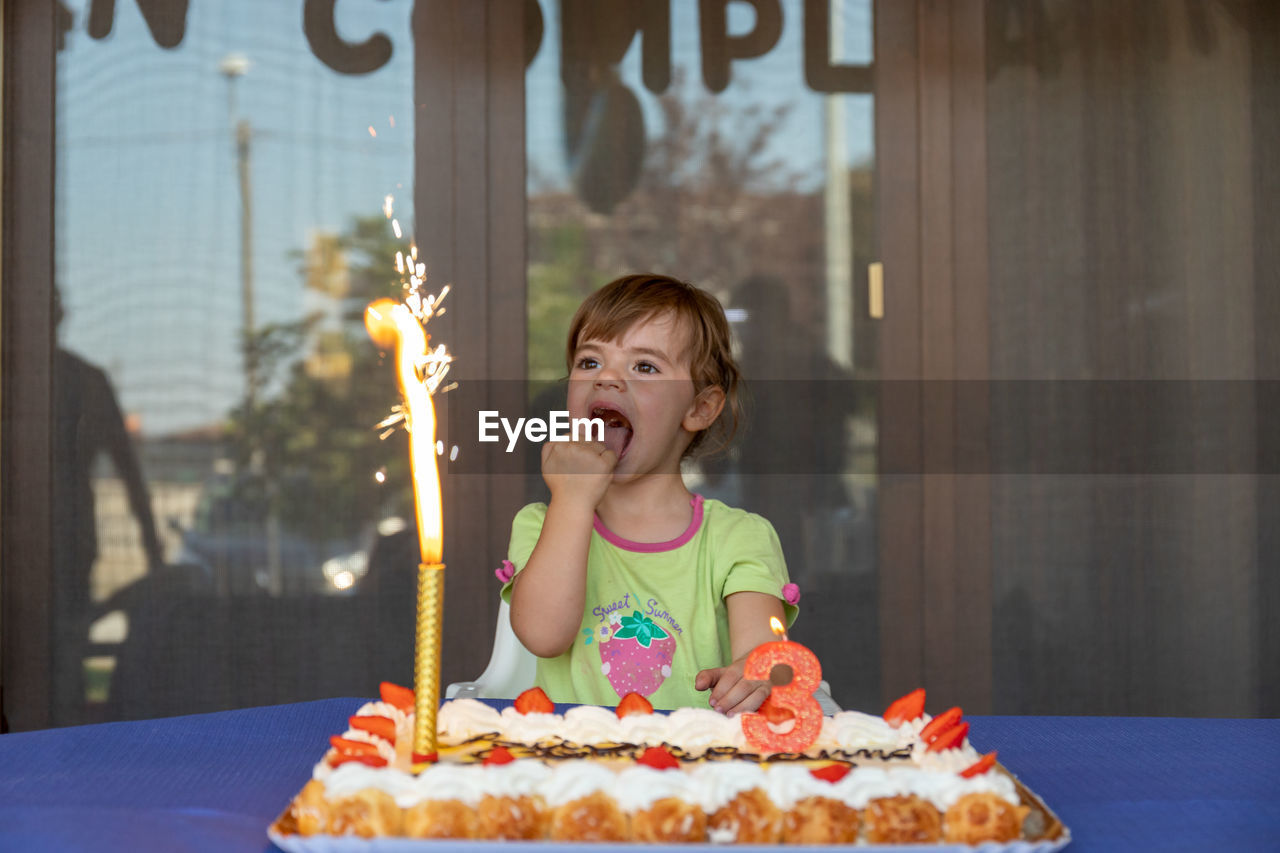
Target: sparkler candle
[[792, 701], [420, 372]]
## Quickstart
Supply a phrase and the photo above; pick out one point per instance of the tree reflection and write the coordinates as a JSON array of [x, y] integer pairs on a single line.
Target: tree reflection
[[307, 446]]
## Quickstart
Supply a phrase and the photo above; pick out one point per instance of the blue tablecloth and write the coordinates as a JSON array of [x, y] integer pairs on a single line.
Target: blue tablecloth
[[214, 782]]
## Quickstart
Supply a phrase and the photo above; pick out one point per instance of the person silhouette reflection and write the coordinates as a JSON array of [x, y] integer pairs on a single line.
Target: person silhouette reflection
[[87, 422], [792, 452]]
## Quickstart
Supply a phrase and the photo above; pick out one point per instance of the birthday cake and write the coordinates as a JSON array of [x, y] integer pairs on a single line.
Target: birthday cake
[[632, 774]]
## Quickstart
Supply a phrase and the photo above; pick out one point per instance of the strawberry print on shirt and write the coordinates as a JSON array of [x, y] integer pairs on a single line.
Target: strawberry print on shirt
[[635, 653]]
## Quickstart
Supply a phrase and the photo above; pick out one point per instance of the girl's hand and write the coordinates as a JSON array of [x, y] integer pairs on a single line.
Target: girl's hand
[[731, 694], [749, 614], [578, 472]]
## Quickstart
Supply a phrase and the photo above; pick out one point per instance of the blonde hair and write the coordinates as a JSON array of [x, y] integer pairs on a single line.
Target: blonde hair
[[607, 314]]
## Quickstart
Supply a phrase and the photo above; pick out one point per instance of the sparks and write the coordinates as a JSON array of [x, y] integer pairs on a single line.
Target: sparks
[[392, 420]]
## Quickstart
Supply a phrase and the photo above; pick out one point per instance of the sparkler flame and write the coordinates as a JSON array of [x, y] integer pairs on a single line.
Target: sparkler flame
[[420, 370]]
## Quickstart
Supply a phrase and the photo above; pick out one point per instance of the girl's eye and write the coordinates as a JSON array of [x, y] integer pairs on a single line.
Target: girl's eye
[[587, 363], [646, 367]]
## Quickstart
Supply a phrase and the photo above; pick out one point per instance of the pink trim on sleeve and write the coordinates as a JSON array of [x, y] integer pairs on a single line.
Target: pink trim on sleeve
[[655, 547]]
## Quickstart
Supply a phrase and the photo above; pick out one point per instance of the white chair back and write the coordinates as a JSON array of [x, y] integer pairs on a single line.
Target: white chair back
[[510, 671]]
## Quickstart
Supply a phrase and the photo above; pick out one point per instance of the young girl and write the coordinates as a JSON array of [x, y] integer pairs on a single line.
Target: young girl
[[625, 582]]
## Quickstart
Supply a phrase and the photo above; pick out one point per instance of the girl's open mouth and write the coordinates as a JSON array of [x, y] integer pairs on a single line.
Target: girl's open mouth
[[617, 429]]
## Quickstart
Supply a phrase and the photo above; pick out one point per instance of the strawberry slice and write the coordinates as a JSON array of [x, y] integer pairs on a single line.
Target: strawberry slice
[[383, 727], [371, 760], [534, 701], [658, 758], [499, 755], [352, 747], [940, 724], [907, 708], [952, 737], [832, 772], [982, 765], [633, 703], [394, 694]]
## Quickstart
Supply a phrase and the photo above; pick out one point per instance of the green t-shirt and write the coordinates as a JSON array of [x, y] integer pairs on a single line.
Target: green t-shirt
[[655, 613]]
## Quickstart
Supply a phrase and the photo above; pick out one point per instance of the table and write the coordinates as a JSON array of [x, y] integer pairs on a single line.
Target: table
[[215, 781]]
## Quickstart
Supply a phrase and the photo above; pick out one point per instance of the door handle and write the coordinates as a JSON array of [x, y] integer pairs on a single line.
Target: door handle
[[875, 290]]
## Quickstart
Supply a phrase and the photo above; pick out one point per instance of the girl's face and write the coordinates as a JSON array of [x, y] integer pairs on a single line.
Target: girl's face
[[640, 386]]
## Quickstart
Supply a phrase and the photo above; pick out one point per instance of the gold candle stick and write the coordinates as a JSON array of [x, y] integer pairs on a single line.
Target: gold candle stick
[[426, 678]]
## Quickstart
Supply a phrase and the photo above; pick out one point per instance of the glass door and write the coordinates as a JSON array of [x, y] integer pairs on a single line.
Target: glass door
[[731, 145], [231, 182]]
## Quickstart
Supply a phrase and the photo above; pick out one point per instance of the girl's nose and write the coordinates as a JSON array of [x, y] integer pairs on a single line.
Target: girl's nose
[[609, 377]]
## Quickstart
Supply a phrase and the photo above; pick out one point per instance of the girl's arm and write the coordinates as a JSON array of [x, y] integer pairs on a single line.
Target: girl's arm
[[749, 613], [548, 595]]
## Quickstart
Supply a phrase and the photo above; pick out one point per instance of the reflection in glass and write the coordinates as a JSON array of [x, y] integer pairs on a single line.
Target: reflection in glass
[[88, 425], [221, 176], [733, 174]]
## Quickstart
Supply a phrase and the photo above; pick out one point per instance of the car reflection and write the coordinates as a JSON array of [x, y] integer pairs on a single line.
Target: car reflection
[[244, 546]]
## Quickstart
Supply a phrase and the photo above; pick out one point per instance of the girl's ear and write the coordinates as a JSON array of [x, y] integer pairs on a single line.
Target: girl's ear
[[704, 409]]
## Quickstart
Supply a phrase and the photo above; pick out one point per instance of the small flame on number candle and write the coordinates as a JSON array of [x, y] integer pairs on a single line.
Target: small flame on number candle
[[775, 625]]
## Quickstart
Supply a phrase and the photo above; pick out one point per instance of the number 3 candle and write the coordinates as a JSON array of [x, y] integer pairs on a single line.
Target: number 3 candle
[[793, 701]]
